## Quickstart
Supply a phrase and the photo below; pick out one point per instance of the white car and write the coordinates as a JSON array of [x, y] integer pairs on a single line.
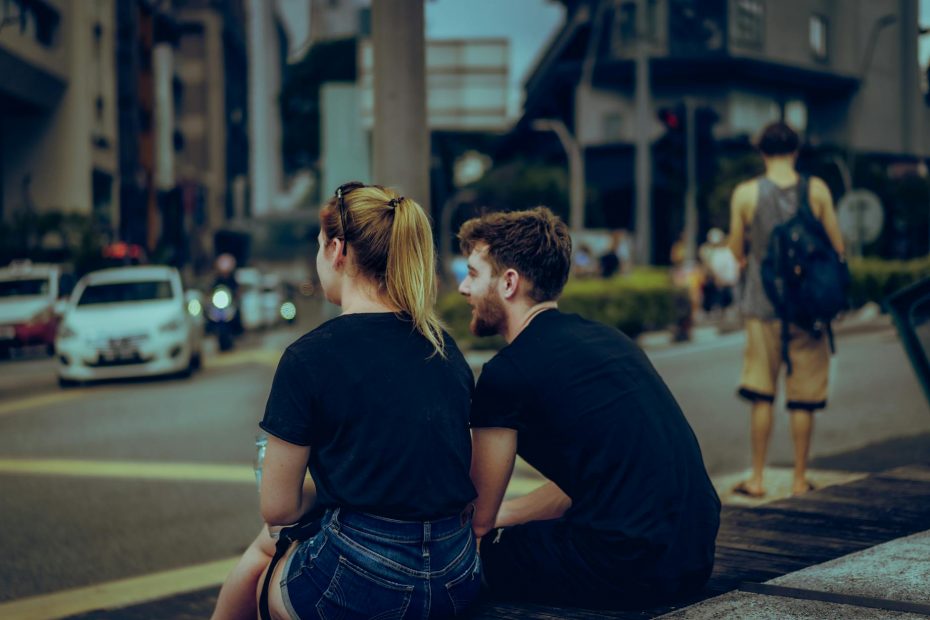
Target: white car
[[29, 297], [129, 322], [272, 298]]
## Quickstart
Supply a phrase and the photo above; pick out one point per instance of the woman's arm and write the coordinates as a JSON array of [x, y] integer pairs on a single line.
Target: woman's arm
[[287, 493], [492, 456]]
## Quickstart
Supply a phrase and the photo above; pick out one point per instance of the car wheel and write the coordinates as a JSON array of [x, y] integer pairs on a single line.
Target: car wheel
[[67, 383], [50, 349], [196, 361]]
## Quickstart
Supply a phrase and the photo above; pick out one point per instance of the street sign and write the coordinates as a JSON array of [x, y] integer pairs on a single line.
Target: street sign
[[861, 217]]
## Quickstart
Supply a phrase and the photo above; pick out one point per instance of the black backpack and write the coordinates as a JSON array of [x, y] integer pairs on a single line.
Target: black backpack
[[803, 276]]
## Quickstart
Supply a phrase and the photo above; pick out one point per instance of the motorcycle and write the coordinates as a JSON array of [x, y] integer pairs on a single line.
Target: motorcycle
[[222, 315]]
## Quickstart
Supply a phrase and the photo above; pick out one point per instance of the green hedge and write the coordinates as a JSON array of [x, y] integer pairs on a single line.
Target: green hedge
[[642, 301], [874, 279]]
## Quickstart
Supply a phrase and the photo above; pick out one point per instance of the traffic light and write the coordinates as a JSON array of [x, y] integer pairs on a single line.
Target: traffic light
[[705, 118], [670, 148]]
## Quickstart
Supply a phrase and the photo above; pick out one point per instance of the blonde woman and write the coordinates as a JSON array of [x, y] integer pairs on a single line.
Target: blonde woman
[[375, 403]]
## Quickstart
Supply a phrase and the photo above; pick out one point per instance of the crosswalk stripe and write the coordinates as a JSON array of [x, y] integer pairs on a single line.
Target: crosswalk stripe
[[120, 593]]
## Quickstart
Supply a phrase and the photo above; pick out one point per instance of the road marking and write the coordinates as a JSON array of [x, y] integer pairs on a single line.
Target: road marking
[[200, 472], [34, 402], [120, 593], [266, 357]]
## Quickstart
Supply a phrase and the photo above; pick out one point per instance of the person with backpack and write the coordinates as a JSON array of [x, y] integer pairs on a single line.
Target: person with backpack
[[794, 285]]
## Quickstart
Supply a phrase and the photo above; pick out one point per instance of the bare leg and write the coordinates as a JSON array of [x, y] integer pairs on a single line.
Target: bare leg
[[802, 428], [759, 432], [237, 596]]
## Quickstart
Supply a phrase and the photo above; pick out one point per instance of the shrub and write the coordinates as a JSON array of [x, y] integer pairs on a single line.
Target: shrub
[[642, 301], [875, 279]]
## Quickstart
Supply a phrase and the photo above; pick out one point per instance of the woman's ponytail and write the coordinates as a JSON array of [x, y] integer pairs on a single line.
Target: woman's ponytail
[[410, 277]]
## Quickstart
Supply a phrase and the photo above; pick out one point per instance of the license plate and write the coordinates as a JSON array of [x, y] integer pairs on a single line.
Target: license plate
[[7, 332], [118, 351]]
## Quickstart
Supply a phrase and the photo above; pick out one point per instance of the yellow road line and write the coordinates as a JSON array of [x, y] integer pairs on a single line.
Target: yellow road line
[[116, 594], [44, 400], [267, 357], [201, 472]]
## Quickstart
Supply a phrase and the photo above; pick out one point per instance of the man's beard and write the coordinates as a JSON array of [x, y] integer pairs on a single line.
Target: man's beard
[[489, 318]]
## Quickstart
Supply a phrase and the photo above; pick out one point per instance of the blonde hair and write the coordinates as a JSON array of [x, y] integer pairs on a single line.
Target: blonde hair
[[392, 243]]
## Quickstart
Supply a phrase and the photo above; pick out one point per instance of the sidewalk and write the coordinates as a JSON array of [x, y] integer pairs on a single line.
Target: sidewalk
[[888, 580]]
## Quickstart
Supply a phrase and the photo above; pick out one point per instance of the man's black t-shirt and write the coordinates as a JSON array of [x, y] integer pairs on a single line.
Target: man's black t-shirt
[[387, 421], [594, 417]]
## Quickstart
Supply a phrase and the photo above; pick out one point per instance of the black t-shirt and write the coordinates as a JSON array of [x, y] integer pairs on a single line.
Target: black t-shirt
[[594, 417], [387, 424]]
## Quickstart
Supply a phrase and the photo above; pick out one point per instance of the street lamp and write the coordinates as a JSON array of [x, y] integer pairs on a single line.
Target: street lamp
[[576, 184]]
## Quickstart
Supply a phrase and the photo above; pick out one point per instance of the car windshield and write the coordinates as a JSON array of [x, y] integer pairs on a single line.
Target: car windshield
[[123, 292], [23, 288]]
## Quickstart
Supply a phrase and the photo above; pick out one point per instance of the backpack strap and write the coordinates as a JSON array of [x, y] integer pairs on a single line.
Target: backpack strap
[[829, 330], [303, 530]]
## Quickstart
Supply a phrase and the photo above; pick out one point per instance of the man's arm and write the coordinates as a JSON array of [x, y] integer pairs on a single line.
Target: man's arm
[[492, 456], [822, 203], [546, 502], [739, 203]]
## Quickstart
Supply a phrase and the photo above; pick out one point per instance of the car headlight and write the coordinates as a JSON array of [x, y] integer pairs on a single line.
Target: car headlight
[[65, 332], [221, 298], [172, 325], [194, 308]]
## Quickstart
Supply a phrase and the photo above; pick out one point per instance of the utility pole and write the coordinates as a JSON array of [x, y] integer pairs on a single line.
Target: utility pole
[[643, 221], [573, 151], [691, 187], [401, 145]]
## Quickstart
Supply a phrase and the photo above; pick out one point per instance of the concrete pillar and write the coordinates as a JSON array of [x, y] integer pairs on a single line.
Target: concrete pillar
[[401, 133], [643, 220]]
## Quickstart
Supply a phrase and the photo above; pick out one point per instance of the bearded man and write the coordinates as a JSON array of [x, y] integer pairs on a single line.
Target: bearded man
[[628, 517]]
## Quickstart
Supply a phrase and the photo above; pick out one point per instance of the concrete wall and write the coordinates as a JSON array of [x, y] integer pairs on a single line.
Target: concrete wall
[[49, 155]]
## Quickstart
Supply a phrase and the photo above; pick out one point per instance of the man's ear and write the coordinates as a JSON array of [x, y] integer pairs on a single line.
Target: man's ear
[[510, 282]]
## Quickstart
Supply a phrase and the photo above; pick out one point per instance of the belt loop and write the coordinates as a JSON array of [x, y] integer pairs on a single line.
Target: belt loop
[[334, 521]]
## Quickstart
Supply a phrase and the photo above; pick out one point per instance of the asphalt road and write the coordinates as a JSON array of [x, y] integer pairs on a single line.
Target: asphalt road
[[122, 479]]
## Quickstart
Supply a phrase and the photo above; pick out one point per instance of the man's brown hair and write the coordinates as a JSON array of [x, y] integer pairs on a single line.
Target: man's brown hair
[[535, 242], [778, 138]]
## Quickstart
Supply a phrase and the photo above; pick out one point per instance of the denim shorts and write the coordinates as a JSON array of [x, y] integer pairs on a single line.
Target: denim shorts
[[364, 566]]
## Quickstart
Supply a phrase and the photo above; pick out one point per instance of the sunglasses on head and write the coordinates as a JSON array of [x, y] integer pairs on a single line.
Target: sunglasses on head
[[341, 191]]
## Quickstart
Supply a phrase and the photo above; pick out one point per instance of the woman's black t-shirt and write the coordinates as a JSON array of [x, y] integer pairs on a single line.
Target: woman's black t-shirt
[[387, 421]]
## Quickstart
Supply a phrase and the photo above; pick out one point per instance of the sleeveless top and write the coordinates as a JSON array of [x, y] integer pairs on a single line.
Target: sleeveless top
[[775, 205]]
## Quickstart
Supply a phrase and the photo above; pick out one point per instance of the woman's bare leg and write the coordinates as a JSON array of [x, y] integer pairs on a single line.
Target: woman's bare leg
[[237, 596]]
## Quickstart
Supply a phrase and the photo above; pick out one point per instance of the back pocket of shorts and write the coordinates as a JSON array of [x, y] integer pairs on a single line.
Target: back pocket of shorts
[[463, 589], [355, 593]]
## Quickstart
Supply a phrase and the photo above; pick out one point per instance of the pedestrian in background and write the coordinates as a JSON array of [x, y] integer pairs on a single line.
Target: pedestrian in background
[[760, 205], [628, 516], [375, 403]]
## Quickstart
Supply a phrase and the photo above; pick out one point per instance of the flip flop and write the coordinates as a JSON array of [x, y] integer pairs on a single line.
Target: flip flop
[[743, 489]]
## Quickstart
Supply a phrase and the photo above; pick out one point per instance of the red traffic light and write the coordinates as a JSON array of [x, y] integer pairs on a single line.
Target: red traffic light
[[669, 118]]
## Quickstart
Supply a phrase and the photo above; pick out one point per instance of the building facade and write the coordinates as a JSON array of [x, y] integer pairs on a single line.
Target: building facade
[[58, 109], [845, 74]]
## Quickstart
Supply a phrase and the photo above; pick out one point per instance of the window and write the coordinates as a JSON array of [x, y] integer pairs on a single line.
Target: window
[[818, 36], [125, 292], [749, 23]]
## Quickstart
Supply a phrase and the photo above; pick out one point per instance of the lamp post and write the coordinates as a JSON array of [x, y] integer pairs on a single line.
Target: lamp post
[[576, 185]]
